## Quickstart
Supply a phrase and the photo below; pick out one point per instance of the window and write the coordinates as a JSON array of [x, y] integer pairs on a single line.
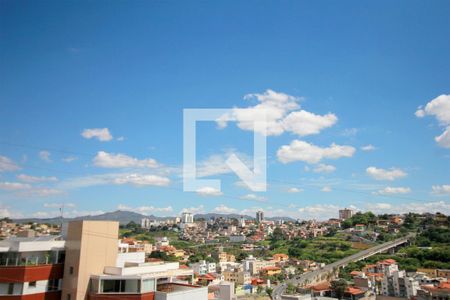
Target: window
[[32, 284], [11, 289], [53, 285], [71, 270], [68, 297]]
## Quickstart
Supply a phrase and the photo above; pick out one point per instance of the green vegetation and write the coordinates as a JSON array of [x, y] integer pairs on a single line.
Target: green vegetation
[[338, 287], [367, 219], [323, 249]]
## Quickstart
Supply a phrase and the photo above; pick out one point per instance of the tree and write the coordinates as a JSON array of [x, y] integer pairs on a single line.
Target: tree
[[277, 234], [291, 289], [338, 287], [269, 292]]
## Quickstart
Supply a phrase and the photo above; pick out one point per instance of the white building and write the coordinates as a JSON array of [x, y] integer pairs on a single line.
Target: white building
[[202, 267], [187, 218]]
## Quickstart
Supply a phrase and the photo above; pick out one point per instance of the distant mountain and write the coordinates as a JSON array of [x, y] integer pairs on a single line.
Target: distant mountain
[[238, 216], [224, 216], [124, 217]]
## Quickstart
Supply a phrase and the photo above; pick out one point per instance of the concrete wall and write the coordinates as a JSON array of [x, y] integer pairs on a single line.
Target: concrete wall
[[90, 246]]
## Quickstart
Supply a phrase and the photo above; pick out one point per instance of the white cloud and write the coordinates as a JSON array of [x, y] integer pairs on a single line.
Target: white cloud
[[393, 190], [36, 179], [7, 165], [294, 190], [323, 168], [302, 151], [318, 211], [439, 107], [281, 115], [216, 164], [368, 147], [253, 197], [146, 210], [142, 180], [224, 209], [441, 189], [26, 189], [45, 156], [384, 174], [259, 186], [194, 210], [326, 189], [135, 179], [101, 134], [121, 138], [444, 139], [208, 191], [415, 207], [69, 159], [112, 160], [14, 186], [305, 123]]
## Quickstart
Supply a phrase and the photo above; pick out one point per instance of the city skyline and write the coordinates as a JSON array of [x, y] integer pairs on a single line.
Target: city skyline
[[92, 108]]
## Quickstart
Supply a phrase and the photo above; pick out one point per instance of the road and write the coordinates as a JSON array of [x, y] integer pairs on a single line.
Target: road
[[309, 277]]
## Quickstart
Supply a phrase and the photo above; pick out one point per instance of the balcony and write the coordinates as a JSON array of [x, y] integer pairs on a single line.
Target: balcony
[[27, 273]]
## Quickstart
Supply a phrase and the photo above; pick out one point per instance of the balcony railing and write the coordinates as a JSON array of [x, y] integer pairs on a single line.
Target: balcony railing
[[34, 261]]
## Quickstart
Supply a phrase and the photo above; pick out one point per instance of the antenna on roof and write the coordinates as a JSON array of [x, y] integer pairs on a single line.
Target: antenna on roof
[[61, 210]]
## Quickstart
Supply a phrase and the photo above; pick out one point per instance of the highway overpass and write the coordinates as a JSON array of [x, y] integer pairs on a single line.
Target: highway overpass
[[327, 272]]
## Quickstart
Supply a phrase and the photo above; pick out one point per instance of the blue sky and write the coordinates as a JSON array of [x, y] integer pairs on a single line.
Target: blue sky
[[362, 73]]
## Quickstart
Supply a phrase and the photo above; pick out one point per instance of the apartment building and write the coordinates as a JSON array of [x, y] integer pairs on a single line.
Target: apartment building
[[90, 264], [31, 267], [203, 267]]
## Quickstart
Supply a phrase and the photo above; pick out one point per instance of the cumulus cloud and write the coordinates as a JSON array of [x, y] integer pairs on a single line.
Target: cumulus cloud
[[194, 209], [35, 179], [208, 191], [441, 189], [305, 123], [368, 147], [101, 134], [385, 174], [7, 165], [45, 155], [323, 168], [294, 190], [444, 139], [439, 107], [111, 160], [303, 151], [393, 190], [222, 209], [253, 197], [145, 210], [281, 115]]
